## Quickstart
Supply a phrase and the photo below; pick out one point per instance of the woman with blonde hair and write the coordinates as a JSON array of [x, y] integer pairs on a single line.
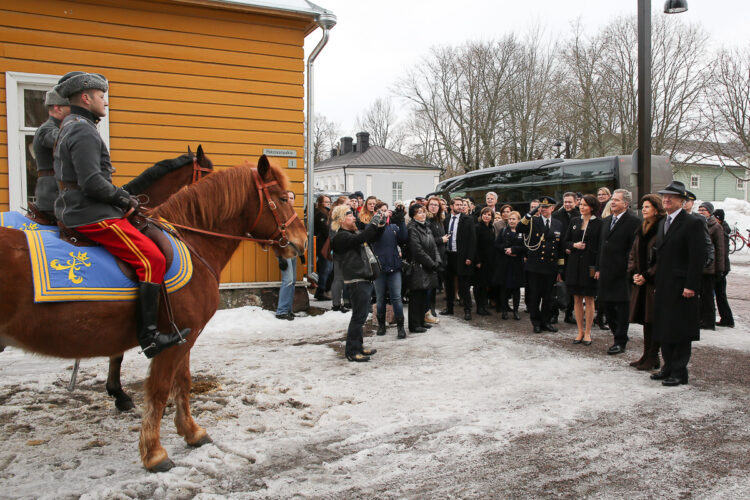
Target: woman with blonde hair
[[368, 210]]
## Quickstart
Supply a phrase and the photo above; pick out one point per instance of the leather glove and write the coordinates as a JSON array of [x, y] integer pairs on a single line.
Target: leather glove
[[532, 212], [121, 199], [397, 217], [377, 219], [283, 264]]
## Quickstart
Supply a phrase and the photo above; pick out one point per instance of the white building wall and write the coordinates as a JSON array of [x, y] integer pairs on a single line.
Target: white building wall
[[379, 182]]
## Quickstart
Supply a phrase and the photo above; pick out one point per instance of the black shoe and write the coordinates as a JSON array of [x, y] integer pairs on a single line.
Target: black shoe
[[467, 315], [381, 326], [723, 323], [660, 375], [537, 329], [448, 311], [151, 340], [516, 316], [400, 329], [578, 341], [672, 381], [342, 309], [548, 327], [321, 296], [359, 358], [554, 320], [504, 315], [427, 326], [369, 352], [418, 329], [483, 312], [569, 319], [616, 349], [286, 316], [586, 342]]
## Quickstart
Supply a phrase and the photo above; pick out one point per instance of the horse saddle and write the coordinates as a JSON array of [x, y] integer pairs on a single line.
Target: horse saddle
[[62, 271], [156, 235]]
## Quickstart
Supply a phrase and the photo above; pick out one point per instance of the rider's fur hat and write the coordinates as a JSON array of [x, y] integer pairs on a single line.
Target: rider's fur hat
[[78, 81], [52, 98]]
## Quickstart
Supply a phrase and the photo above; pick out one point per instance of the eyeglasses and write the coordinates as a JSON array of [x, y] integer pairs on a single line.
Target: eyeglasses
[[349, 213]]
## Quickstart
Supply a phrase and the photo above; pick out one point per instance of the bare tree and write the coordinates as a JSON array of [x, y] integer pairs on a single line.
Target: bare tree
[[380, 120], [729, 105], [325, 135]]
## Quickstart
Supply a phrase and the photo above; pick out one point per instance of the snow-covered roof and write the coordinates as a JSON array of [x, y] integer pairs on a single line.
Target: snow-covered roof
[[303, 7], [706, 160]]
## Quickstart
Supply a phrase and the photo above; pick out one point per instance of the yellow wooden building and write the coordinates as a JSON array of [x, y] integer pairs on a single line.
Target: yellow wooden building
[[225, 74]]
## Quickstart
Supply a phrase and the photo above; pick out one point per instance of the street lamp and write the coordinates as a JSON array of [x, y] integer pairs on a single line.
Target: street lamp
[[644, 88]]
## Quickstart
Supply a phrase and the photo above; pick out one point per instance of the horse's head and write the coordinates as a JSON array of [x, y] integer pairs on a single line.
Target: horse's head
[[277, 218]]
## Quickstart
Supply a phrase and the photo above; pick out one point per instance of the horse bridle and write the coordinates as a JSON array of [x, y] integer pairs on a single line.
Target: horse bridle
[[199, 171], [282, 240]]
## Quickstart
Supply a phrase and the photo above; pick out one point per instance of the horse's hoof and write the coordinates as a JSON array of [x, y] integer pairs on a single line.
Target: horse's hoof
[[124, 404], [162, 466], [204, 440]]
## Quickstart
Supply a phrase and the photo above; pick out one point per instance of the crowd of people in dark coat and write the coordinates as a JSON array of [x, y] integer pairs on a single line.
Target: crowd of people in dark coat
[[592, 259]]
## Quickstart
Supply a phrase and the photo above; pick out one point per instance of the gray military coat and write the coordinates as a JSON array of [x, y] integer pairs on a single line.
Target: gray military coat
[[82, 164], [44, 142]]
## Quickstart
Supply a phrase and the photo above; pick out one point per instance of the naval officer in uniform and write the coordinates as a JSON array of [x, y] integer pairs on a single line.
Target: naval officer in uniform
[[542, 236]]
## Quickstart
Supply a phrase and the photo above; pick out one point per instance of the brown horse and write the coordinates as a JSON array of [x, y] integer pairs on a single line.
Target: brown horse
[[153, 186], [225, 207]]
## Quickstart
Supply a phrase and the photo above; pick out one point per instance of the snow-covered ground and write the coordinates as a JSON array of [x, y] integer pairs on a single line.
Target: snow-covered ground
[[291, 418], [468, 410]]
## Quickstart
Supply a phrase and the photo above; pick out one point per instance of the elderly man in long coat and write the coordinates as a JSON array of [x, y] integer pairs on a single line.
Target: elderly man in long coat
[[680, 256]]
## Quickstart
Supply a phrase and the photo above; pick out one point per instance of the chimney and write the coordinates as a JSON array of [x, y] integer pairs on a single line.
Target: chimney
[[334, 152], [346, 145], [363, 141]]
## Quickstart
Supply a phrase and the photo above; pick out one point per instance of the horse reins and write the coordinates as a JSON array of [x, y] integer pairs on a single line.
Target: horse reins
[[282, 241]]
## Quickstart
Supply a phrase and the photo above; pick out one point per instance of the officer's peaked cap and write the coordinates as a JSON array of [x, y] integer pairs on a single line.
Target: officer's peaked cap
[[78, 81], [547, 201]]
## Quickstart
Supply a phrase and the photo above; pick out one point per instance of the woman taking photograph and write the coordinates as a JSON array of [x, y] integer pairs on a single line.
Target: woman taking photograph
[[641, 267], [582, 243], [425, 261], [388, 283], [485, 260], [435, 217], [509, 276]]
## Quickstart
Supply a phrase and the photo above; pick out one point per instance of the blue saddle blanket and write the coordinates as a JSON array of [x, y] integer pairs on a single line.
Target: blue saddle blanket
[[16, 220], [63, 272]]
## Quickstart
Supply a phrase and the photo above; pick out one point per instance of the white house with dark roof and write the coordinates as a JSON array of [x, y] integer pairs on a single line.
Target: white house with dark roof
[[375, 171]]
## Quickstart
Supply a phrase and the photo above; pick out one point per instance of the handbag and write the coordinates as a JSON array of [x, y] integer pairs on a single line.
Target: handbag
[[372, 264], [406, 269], [560, 295]]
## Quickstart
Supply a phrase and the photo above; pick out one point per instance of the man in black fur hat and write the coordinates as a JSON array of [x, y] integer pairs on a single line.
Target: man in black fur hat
[[90, 203]]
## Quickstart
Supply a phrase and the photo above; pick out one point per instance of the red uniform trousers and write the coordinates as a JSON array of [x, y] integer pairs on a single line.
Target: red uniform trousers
[[125, 242]]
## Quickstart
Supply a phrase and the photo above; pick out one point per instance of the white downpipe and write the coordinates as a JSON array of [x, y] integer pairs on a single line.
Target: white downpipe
[[326, 22]]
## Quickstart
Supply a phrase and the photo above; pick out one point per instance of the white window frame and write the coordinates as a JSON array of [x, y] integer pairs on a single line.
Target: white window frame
[[15, 83], [397, 191], [740, 185], [697, 183]]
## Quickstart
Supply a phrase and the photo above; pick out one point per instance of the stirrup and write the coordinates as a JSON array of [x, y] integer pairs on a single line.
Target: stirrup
[[176, 330]]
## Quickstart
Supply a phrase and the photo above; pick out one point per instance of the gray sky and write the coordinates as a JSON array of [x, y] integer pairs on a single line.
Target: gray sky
[[375, 42]]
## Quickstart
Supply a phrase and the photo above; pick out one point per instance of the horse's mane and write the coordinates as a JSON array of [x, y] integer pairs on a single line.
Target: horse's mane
[[152, 174], [219, 196]]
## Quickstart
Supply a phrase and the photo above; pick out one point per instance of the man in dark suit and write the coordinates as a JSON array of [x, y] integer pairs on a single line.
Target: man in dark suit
[[565, 214], [618, 233], [461, 248], [680, 255], [544, 262]]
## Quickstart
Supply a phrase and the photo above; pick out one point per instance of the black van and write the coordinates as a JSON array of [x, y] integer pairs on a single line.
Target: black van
[[519, 183]]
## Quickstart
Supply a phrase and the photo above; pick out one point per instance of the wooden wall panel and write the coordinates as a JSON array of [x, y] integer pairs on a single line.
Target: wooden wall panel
[[180, 75]]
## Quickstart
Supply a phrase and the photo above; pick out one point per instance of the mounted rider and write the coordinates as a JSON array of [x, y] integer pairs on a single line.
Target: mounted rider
[[90, 203], [44, 141]]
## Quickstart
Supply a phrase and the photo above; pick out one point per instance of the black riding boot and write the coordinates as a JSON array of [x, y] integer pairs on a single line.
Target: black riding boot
[[152, 341], [400, 328], [381, 325]]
